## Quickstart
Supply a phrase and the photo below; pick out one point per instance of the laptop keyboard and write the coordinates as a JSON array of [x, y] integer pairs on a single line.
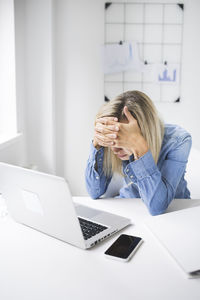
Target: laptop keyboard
[[90, 229]]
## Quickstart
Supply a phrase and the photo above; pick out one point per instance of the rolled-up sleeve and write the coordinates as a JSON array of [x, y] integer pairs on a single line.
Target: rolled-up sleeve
[[157, 187], [95, 179]]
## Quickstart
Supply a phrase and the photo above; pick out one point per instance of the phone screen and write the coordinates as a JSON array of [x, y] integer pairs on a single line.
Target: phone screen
[[123, 246]]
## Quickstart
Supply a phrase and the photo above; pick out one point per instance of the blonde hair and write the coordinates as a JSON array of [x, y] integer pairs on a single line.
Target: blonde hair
[[143, 110]]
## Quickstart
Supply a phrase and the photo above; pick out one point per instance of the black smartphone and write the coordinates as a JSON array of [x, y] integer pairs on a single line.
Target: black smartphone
[[124, 247]]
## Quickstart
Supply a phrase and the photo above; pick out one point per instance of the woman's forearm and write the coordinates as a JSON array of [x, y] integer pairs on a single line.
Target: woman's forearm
[[140, 147], [156, 188], [96, 183]]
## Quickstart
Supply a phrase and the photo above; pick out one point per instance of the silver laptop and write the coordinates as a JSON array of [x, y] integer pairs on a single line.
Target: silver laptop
[[44, 202], [178, 232]]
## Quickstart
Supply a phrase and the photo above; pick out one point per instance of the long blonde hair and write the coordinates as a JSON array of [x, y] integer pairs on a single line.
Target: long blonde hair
[[143, 110]]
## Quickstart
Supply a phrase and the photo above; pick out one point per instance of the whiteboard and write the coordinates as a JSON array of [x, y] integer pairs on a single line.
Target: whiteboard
[[157, 28]]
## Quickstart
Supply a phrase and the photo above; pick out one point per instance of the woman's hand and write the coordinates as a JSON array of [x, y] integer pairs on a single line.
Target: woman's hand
[[111, 133], [106, 130], [130, 137]]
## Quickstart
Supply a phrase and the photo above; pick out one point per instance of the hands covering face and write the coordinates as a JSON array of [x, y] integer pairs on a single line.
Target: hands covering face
[[124, 138]]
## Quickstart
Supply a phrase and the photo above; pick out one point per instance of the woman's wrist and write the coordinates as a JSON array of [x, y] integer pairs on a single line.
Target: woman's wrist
[[96, 145], [140, 148]]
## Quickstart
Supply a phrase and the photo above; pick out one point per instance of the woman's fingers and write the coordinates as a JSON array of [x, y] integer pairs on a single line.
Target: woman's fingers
[[108, 136], [107, 120], [104, 143], [104, 138], [108, 140], [106, 126], [128, 115], [106, 129]]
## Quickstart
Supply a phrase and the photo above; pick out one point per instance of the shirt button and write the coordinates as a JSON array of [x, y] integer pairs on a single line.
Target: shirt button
[[100, 159], [127, 170], [97, 177], [131, 176]]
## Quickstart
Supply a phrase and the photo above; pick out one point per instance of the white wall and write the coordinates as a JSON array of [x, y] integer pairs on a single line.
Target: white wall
[[79, 31], [64, 64], [34, 72]]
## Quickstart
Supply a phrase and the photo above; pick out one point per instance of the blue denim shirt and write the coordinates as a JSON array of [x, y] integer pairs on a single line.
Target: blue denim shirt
[[155, 184]]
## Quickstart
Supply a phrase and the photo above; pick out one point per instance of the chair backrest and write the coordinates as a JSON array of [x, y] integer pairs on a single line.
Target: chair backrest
[[193, 173]]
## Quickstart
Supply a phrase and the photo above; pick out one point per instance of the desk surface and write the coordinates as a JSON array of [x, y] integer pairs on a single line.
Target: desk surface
[[36, 266]]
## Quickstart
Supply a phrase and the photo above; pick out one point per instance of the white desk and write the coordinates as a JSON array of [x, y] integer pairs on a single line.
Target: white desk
[[36, 266]]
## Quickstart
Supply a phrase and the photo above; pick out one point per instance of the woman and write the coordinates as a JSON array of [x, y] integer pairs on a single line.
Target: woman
[[131, 140]]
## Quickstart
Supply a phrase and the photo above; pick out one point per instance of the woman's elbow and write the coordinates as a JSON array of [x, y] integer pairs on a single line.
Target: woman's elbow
[[159, 204], [93, 194], [154, 210]]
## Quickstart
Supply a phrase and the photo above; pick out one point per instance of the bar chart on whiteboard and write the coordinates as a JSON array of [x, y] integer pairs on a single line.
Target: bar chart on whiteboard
[[143, 49]]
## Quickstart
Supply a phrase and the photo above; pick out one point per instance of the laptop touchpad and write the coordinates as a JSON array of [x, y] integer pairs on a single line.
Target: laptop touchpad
[[86, 212]]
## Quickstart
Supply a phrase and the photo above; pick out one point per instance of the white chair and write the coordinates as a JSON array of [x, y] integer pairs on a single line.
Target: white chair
[[193, 173]]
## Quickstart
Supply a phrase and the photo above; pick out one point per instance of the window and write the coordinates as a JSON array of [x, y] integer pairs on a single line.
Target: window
[[8, 122]]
